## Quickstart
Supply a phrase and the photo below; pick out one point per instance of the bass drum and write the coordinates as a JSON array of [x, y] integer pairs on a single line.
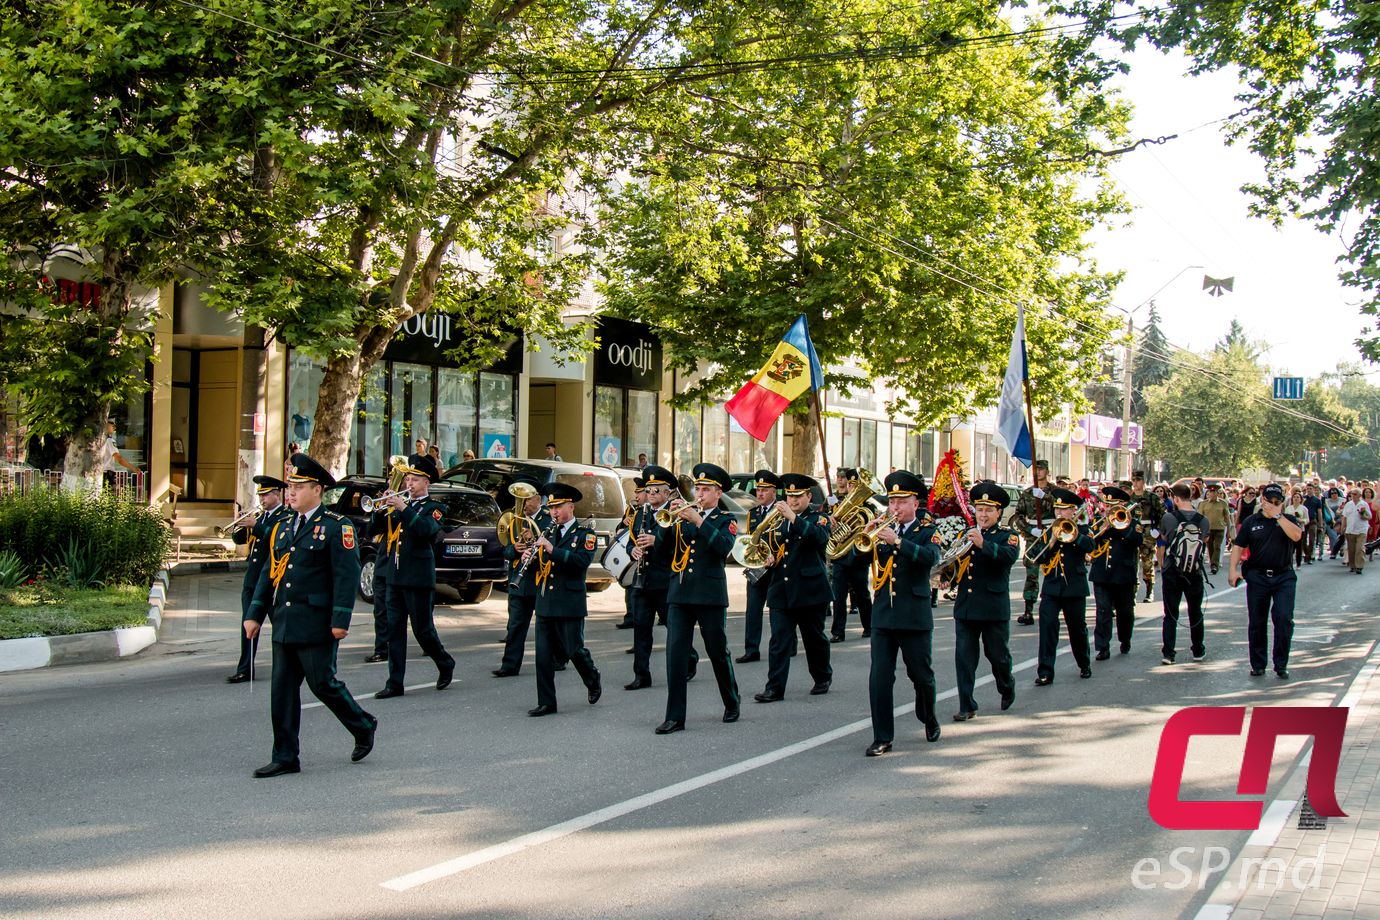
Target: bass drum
[[619, 561]]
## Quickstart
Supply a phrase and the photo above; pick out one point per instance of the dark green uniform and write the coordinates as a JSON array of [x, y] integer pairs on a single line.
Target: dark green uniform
[[1030, 513], [756, 593], [382, 525], [799, 598], [1065, 591], [258, 538], [561, 610], [982, 613], [1113, 578], [522, 602], [315, 595], [412, 591], [650, 606], [902, 620]]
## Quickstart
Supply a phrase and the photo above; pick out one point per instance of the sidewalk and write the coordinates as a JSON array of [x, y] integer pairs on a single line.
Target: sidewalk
[[202, 608], [1348, 884]]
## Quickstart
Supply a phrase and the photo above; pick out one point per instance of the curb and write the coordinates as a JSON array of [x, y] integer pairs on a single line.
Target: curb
[[82, 648], [220, 565]]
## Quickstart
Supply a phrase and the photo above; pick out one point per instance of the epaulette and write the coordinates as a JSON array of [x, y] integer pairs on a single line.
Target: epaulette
[[335, 515]]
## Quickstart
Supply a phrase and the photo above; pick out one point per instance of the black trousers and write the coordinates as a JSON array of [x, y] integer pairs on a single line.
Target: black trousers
[[648, 605], [1114, 602], [1075, 614], [520, 611], [680, 634], [380, 610], [316, 665], [784, 622], [995, 636], [1270, 599], [407, 604], [851, 582], [1177, 587], [248, 647], [628, 606], [915, 648], [752, 618], [561, 639]]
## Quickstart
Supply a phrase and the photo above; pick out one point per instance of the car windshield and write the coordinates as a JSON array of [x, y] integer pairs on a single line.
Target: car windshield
[[468, 510], [603, 498]]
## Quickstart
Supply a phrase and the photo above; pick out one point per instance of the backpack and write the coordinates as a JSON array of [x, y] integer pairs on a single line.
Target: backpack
[[1188, 546]]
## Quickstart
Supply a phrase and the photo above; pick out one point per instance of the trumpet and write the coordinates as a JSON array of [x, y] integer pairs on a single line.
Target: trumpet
[[668, 516], [751, 550], [866, 540], [241, 521], [369, 504]]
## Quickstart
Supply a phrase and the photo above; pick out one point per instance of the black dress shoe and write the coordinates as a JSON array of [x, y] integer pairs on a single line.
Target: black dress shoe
[[1125, 647], [731, 715], [630, 650], [1257, 672], [1043, 681], [640, 683], [670, 725], [596, 691], [363, 745], [388, 693], [768, 696], [932, 732], [867, 634], [1282, 673], [834, 639], [1085, 673], [690, 674], [375, 658], [1025, 619], [559, 667], [541, 710], [748, 657], [626, 624], [964, 716], [505, 672], [821, 688], [445, 677], [1007, 699], [277, 769], [878, 748], [237, 678], [1104, 655]]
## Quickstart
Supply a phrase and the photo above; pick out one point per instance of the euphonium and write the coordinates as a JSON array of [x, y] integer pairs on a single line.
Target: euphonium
[[850, 517], [513, 525], [751, 550], [866, 540]]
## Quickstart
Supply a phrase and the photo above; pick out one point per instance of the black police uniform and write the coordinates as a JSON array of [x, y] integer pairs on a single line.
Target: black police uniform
[[982, 606], [902, 619], [698, 593], [1115, 560], [561, 604], [259, 538], [522, 600], [652, 584], [797, 596], [1270, 587], [1065, 591], [757, 590], [412, 585], [383, 533], [313, 592]]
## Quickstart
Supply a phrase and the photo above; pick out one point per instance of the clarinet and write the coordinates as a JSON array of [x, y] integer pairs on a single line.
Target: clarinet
[[645, 517], [522, 569]]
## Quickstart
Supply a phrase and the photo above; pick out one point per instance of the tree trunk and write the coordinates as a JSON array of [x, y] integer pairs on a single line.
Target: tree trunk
[[82, 467], [805, 452], [335, 412]]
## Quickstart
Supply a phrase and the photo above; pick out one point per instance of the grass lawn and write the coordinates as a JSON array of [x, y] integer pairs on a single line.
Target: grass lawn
[[49, 610]]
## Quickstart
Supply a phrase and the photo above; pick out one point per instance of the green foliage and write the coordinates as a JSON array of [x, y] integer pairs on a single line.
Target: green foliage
[[1150, 365], [47, 609], [13, 572], [1356, 393], [88, 538]]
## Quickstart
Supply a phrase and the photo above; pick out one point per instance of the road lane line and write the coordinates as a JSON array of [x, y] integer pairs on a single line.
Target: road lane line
[[319, 704]]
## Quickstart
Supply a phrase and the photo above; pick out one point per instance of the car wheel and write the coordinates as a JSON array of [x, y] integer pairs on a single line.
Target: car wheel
[[366, 580], [476, 593], [594, 587]]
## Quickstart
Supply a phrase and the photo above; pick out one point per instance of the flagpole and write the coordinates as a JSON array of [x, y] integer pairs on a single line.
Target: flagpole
[[819, 424], [1030, 423]]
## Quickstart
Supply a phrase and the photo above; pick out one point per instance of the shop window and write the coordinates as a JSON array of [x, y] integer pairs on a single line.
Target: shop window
[[497, 416], [642, 424], [411, 407], [457, 415], [687, 440], [715, 448], [851, 433], [867, 446], [608, 426], [371, 412], [304, 386], [899, 436]]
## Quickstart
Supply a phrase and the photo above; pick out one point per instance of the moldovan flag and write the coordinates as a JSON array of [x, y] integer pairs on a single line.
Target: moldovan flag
[[762, 399]]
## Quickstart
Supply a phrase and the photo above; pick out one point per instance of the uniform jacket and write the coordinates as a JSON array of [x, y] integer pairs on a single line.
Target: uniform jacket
[[380, 522], [1146, 508], [562, 592], [1217, 512], [703, 580], [984, 591], [1024, 516], [755, 515], [317, 591], [257, 538], [800, 579], [414, 562], [904, 602], [656, 564], [528, 585], [1116, 557], [1068, 576]]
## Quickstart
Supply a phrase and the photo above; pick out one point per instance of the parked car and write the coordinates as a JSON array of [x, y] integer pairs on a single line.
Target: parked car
[[468, 556], [606, 492]]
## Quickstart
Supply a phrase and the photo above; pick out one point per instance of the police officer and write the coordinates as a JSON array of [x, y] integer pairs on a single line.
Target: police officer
[[561, 557], [1146, 508], [1065, 588], [412, 586], [653, 579], [902, 619], [383, 532], [850, 573], [1032, 511], [797, 596], [758, 580], [1113, 576], [258, 533], [1270, 578], [309, 591], [698, 543], [982, 606], [522, 587]]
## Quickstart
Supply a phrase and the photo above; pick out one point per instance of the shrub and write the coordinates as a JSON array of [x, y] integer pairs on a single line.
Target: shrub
[[115, 540], [12, 570]]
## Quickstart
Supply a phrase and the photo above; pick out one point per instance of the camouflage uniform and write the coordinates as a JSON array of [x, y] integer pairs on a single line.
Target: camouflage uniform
[[1031, 512], [1148, 509]]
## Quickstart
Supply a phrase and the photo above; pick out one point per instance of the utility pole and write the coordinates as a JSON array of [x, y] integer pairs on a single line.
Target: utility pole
[[1126, 393]]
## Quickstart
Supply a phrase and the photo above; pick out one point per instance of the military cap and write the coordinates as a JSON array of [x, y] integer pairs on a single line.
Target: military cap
[[1042, 464], [1138, 474], [302, 468], [1064, 498], [559, 493], [904, 483], [766, 478], [797, 483], [422, 465], [711, 474], [654, 475], [989, 493], [268, 484], [848, 474], [1115, 494], [640, 484]]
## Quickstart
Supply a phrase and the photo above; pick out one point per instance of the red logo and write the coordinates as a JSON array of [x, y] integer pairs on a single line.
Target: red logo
[[1325, 724]]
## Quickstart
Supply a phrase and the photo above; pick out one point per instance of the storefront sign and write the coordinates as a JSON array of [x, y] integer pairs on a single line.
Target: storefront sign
[[498, 446], [1105, 431], [609, 451], [426, 339], [629, 355]]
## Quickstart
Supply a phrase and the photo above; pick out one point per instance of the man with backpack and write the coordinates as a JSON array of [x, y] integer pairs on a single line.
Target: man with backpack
[[1270, 578], [1184, 533]]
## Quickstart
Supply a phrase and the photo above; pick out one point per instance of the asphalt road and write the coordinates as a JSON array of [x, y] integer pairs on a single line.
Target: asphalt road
[[125, 788]]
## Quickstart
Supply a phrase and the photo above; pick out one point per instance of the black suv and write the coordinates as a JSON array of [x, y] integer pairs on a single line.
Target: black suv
[[468, 558]]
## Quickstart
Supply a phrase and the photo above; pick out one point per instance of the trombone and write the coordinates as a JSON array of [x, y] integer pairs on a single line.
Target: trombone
[[241, 521], [866, 539], [1062, 531]]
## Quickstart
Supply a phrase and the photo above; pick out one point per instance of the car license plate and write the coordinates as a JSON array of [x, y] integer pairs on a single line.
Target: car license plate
[[464, 549]]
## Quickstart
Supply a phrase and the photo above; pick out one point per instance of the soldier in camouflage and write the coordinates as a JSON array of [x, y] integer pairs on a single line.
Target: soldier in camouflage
[[1033, 509], [1146, 507]]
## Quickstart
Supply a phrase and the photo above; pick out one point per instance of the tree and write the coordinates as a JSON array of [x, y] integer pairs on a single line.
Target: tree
[[1236, 338], [904, 209], [1286, 437], [1150, 364], [1362, 459], [1206, 419]]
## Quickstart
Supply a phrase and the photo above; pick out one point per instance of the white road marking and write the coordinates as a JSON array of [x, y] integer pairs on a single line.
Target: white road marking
[[371, 696], [1273, 821]]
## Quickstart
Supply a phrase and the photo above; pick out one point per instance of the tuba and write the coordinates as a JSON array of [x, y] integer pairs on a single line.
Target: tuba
[[850, 518], [943, 568]]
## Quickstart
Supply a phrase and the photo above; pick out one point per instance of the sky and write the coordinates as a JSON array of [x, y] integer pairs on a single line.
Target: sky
[[1189, 210]]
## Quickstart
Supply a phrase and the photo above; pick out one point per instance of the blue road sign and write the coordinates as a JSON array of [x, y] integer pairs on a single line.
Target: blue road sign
[[1288, 388]]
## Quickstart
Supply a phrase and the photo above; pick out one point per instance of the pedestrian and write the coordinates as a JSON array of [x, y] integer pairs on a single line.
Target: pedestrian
[[982, 604], [528, 521], [1373, 530], [311, 610], [1269, 536], [1298, 512], [412, 585], [1357, 515], [1336, 524], [551, 451], [850, 575], [1183, 533], [1113, 573], [1218, 513], [257, 533], [111, 459], [561, 557], [467, 456], [1062, 552], [902, 617], [758, 580], [1313, 535], [1032, 511]]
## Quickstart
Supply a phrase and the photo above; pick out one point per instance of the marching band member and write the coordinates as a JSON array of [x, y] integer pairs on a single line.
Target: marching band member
[[383, 531], [1113, 575], [561, 556], [653, 583], [798, 596], [699, 542], [767, 484], [902, 619], [522, 588], [1065, 587], [629, 515], [849, 582], [982, 608], [258, 533]]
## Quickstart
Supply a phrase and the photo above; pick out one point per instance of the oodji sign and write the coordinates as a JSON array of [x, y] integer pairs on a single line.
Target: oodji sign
[[629, 355]]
